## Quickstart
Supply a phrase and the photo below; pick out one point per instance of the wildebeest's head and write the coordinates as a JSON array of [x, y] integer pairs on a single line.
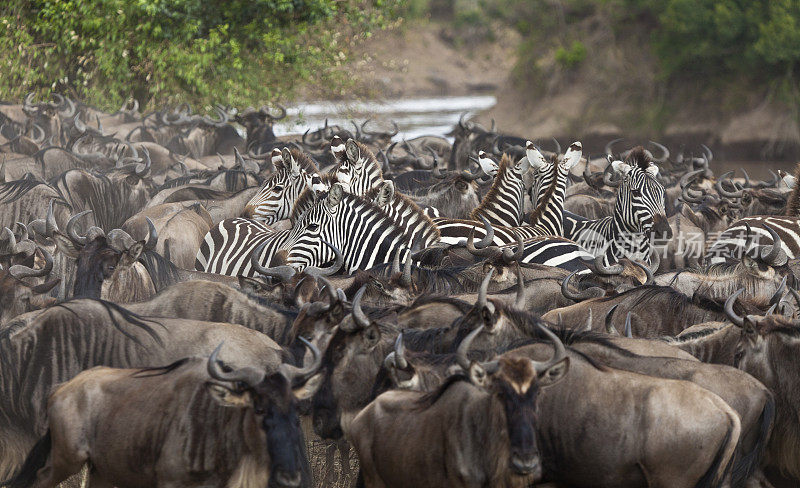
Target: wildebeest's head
[[514, 382], [107, 263], [17, 295], [273, 398]]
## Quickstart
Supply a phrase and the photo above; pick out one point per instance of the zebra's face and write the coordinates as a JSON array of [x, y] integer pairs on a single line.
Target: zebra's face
[[275, 199], [544, 174], [317, 224], [640, 200], [352, 165]]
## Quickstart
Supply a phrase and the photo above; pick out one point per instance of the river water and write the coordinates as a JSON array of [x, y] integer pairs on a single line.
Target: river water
[[437, 116]]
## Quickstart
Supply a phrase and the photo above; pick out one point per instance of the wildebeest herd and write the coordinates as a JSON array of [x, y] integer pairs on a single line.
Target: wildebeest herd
[[175, 297]]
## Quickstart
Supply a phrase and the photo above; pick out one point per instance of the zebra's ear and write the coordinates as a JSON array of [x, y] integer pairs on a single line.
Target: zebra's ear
[[572, 156], [277, 158], [652, 170], [337, 148], [353, 151], [487, 165], [620, 167], [385, 194], [335, 195], [535, 158]]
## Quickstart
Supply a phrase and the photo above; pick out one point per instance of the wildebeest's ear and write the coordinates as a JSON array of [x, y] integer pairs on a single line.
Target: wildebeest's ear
[[335, 195], [228, 398], [371, 335], [132, 254], [65, 245], [554, 373], [249, 285], [309, 388], [353, 151]]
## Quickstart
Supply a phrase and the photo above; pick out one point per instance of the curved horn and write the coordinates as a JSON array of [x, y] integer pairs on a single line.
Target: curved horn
[[707, 153], [248, 376], [608, 178], [298, 376], [463, 349], [739, 321], [283, 272], [610, 146], [776, 297], [50, 221], [330, 270], [359, 317], [488, 251], [484, 289], [489, 237], [610, 329], [559, 351], [71, 233], [647, 271], [628, 331], [688, 178], [516, 256], [11, 241], [18, 271], [558, 146], [770, 257], [142, 169], [722, 191], [152, 235], [599, 267], [664, 152], [79, 123], [584, 295], [519, 301]]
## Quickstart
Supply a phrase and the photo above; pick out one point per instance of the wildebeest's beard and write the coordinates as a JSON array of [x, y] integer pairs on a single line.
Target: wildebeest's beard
[[96, 262], [324, 406], [275, 402]]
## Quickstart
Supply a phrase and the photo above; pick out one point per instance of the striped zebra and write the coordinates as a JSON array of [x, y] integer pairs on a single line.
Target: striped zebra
[[638, 212], [358, 171], [228, 247], [362, 231], [504, 202], [294, 172], [758, 229], [404, 212]]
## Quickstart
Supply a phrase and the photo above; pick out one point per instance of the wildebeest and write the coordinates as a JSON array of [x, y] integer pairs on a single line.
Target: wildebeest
[[221, 427]]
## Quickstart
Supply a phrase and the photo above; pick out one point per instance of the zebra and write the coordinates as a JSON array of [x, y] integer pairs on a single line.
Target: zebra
[[404, 212], [358, 171], [294, 172], [734, 241], [504, 202], [227, 248], [363, 232], [638, 212]]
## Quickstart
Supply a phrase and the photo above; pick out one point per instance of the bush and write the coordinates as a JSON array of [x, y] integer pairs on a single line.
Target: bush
[[163, 51], [572, 56]]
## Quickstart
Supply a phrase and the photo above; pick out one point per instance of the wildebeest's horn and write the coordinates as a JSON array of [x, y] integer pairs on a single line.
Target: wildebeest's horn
[[628, 331], [664, 152], [484, 289], [647, 272], [489, 237], [722, 191], [610, 146], [770, 256], [397, 358], [738, 321], [71, 233], [688, 178], [359, 317], [249, 376], [473, 176], [599, 268], [559, 351], [776, 297], [608, 178], [50, 225], [79, 123], [771, 309], [330, 270], [298, 376], [142, 169], [332, 297], [283, 272], [796, 297], [463, 348], [23, 230], [18, 271], [519, 301], [708, 154], [584, 295], [9, 242], [152, 235], [405, 278], [515, 256], [481, 252], [610, 329], [686, 194], [558, 146]]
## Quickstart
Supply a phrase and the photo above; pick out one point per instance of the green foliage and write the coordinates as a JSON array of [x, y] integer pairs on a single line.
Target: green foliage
[[163, 51], [571, 56]]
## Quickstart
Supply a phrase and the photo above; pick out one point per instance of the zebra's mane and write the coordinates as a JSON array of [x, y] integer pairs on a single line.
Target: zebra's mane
[[505, 166], [308, 196], [403, 205], [304, 160], [793, 205], [638, 157], [542, 203]]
